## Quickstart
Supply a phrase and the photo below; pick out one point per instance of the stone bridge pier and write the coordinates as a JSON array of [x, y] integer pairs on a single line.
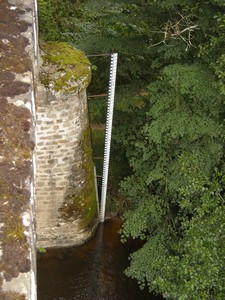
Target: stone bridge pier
[[66, 208], [47, 184]]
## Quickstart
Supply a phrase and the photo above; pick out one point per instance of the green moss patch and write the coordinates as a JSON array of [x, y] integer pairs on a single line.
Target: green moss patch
[[64, 67], [84, 205], [15, 229]]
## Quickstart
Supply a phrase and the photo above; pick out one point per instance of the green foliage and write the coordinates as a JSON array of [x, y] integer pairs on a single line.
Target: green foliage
[[41, 250], [212, 51], [181, 118], [177, 205], [97, 110], [169, 123], [186, 263], [55, 16]]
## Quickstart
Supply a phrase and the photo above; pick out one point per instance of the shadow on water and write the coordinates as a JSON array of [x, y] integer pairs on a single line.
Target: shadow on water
[[92, 271]]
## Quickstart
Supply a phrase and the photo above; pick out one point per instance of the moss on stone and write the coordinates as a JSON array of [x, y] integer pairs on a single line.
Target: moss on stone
[[15, 168], [15, 229], [84, 205], [64, 68]]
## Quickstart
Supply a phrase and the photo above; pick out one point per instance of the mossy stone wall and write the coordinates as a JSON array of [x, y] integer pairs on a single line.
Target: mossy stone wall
[[18, 61], [66, 211], [66, 208]]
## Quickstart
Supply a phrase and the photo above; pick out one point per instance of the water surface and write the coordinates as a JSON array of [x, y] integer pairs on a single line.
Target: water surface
[[92, 271]]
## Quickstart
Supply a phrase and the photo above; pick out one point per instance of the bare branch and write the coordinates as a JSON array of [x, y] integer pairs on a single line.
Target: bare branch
[[182, 29]]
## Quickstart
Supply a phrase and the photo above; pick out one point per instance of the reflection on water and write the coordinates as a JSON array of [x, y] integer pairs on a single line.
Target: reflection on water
[[91, 271]]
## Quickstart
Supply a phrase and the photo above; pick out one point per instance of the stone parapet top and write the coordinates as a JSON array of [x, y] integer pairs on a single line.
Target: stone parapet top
[[17, 70]]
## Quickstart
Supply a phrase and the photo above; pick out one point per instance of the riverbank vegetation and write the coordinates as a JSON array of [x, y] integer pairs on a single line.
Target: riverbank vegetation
[[168, 137]]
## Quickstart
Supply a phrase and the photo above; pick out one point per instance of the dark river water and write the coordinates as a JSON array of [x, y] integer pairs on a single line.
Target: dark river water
[[93, 270]]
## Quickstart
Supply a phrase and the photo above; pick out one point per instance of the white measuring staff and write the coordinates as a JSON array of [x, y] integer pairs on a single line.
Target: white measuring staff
[[108, 133]]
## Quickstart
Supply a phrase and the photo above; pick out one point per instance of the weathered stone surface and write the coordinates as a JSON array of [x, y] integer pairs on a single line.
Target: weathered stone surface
[[66, 204], [17, 60]]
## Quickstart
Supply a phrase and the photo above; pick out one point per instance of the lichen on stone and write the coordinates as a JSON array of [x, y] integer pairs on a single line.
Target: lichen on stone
[[64, 68], [15, 143]]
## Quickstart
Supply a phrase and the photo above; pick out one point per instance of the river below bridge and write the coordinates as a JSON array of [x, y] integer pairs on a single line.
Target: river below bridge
[[92, 271]]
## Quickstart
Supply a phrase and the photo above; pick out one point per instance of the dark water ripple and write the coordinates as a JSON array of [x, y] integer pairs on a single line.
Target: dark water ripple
[[91, 271]]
